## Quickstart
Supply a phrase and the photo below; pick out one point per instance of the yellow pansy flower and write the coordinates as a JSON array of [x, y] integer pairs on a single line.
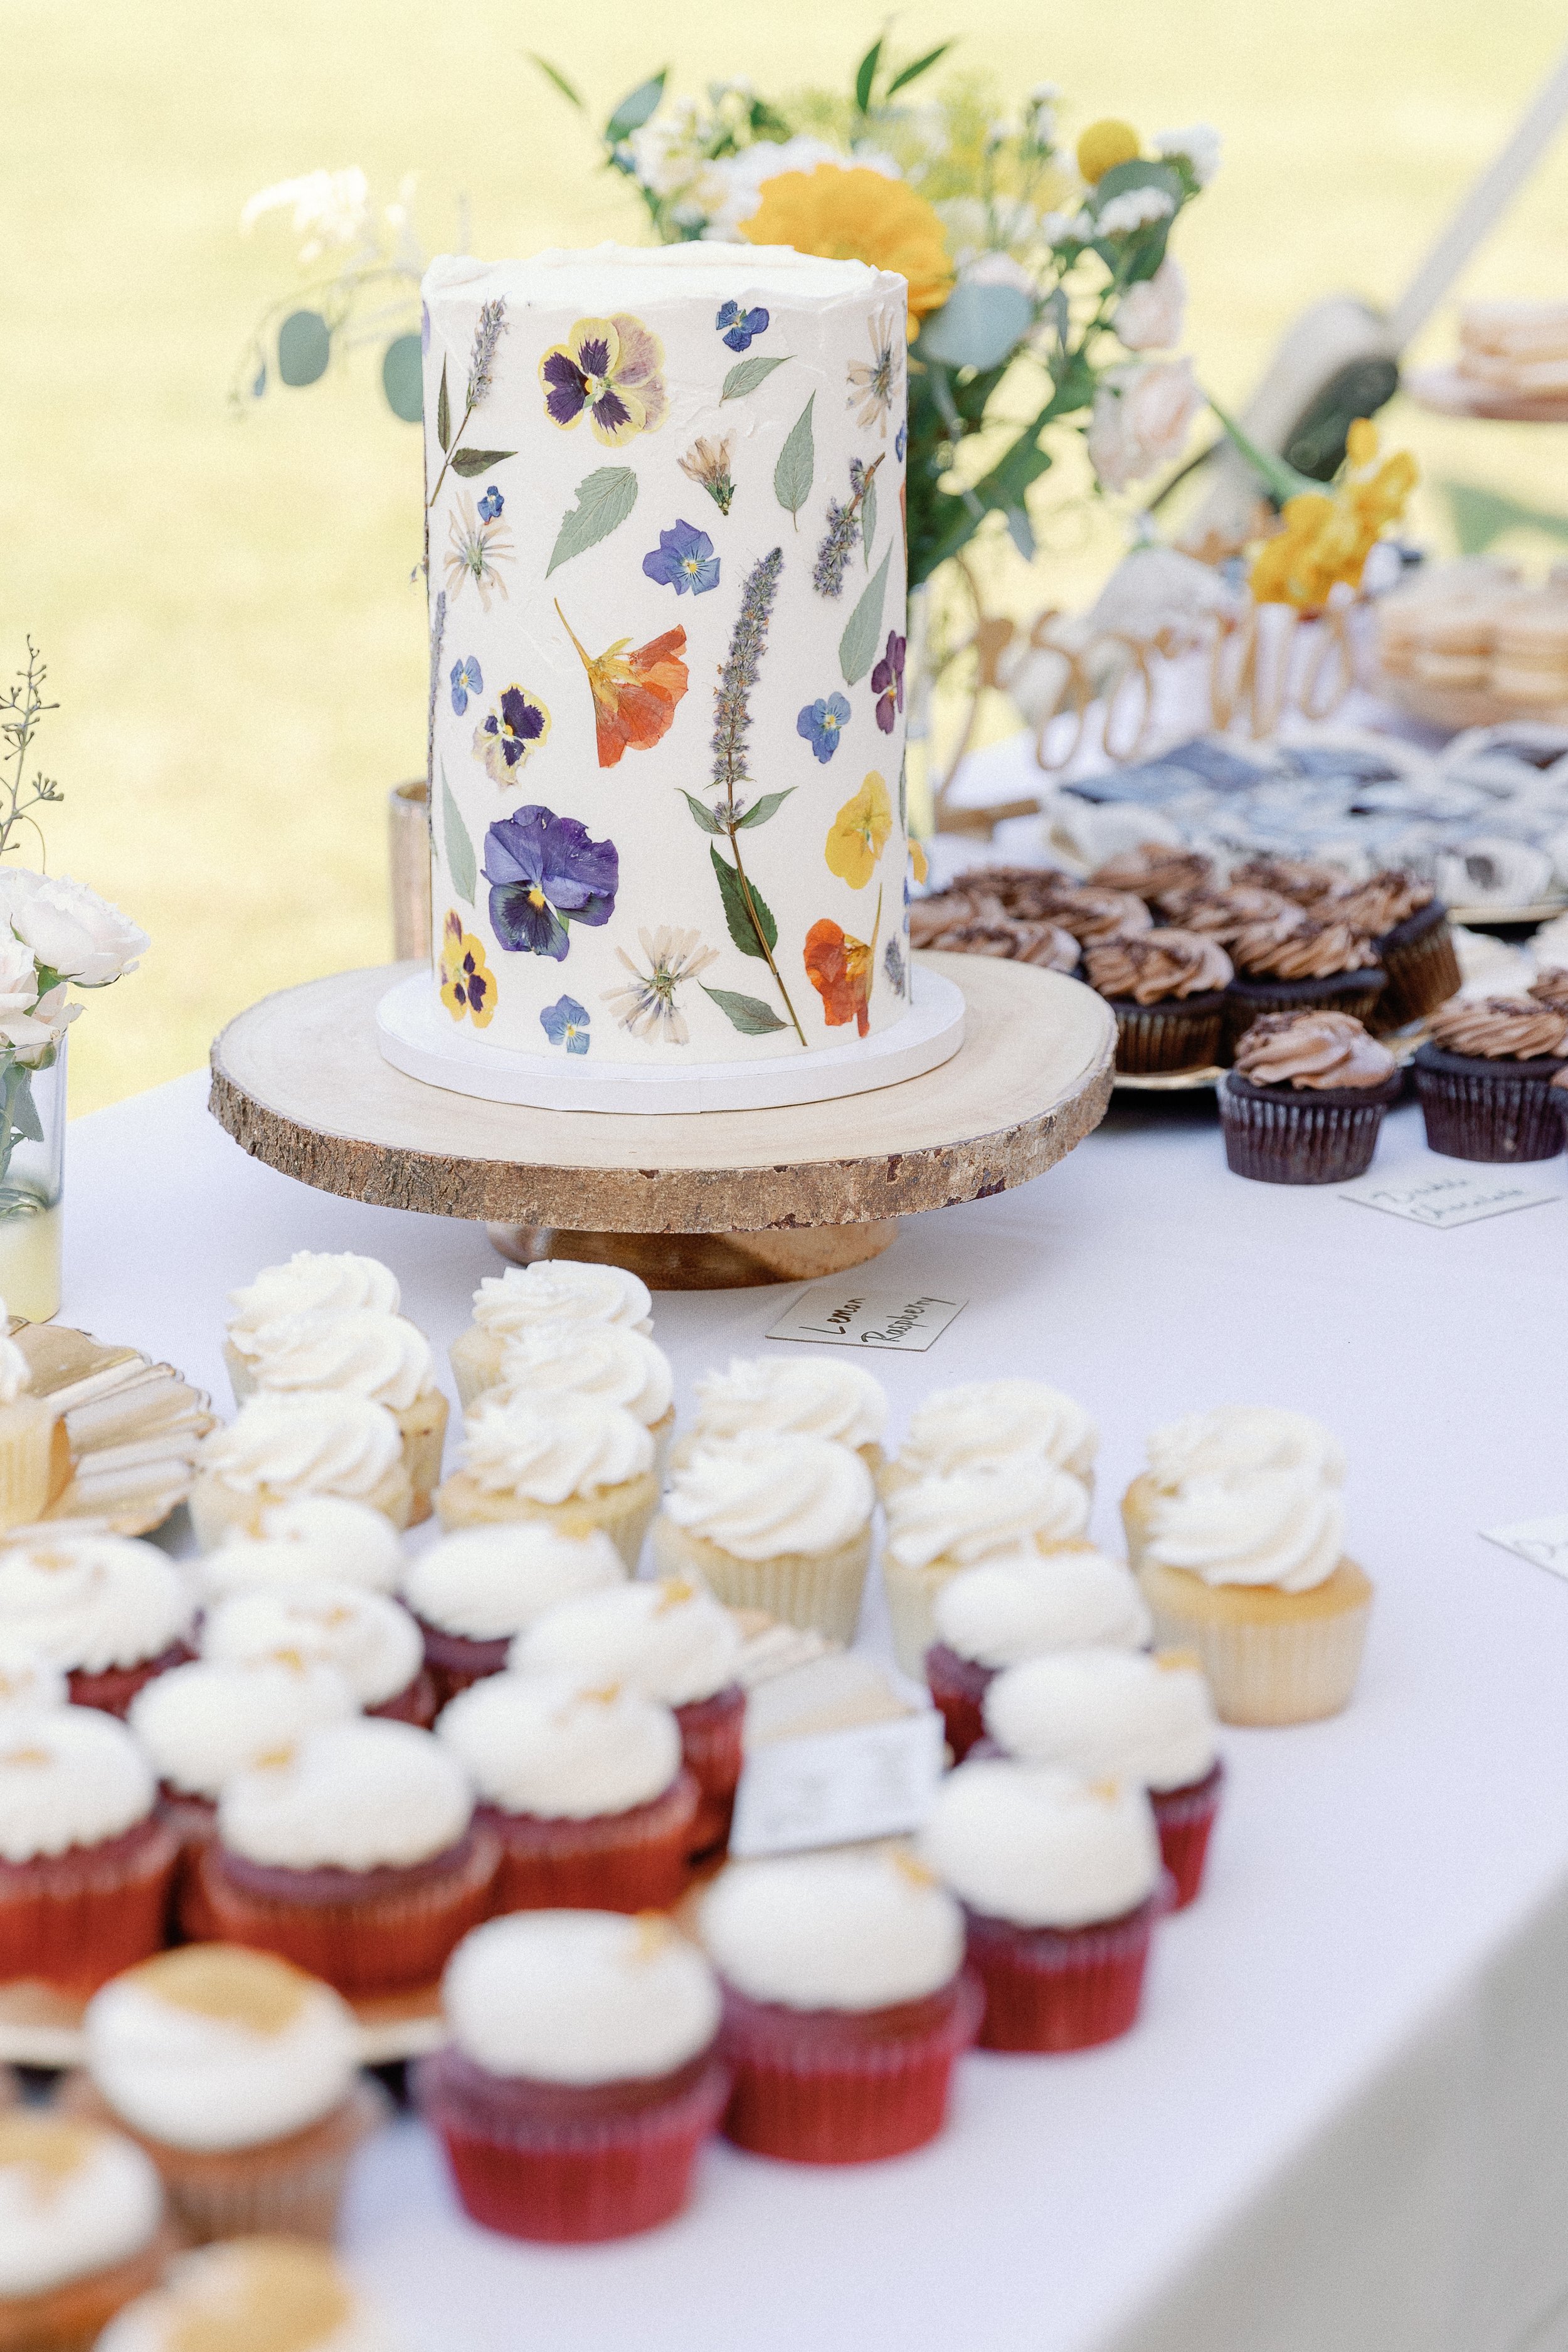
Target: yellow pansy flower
[[847, 213], [468, 984], [859, 833]]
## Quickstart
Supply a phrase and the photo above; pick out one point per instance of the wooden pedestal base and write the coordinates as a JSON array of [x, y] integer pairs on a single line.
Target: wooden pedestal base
[[704, 1261]]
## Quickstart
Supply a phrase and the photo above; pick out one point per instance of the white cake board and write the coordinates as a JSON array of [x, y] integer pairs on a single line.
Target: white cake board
[[419, 1037]]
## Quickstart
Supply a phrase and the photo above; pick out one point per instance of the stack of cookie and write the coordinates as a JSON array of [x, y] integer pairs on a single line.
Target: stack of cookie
[[1517, 350]]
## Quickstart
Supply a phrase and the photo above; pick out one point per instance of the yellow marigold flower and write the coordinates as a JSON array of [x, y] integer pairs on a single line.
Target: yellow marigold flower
[[852, 215], [468, 984], [1324, 540], [859, 833], [1105, 144]]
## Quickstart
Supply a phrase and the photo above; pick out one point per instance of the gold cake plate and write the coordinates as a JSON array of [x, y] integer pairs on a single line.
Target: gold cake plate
[[133, 1428]]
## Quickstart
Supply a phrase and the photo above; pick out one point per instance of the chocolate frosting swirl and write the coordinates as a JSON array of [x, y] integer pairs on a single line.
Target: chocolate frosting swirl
[[1155, 965], [945, 910], [1028, 891], [1499, 1028], [1152, 870], [1308, 950], [1300, 878], [1312, 1049], [1093, 914], [995, 934], [1550, 987], [1373, 906], [1224, 914]]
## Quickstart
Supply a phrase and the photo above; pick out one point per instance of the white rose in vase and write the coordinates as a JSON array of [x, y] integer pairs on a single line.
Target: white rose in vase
[[1148, 316], [72, 930], [1141, 418], [31, 1026]]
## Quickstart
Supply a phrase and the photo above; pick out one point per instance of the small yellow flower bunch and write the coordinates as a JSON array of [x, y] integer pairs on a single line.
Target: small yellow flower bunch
[[1325, 537]]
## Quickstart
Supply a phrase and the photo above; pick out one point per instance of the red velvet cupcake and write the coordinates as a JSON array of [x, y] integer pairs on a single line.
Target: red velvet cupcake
[[582, 2077], [111, 1612], [475, 1591], [373, 1641], [584, 1790], [1022, 1606], [846, 2003]]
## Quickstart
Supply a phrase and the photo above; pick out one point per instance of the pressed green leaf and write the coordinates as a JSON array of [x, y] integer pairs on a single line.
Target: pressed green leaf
[[402, 378], [738, 915], [704, 816], [604, 499], [634, 109], [866, 74], [748, 1014], [470, 462], [760, 812], [746, 377], [444, 414], [913, 73], [797, 468], [869, 519], [304, 347], [461, 863], [858, 646], [553, 73]]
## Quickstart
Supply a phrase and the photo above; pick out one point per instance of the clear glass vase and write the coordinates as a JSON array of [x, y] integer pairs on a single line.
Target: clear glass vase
[[32, 1181]]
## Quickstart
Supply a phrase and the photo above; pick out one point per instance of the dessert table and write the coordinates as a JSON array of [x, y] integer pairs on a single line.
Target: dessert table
[[1343, 2123]]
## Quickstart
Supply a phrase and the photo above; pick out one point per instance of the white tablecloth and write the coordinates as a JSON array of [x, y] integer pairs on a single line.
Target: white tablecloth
[[1343, 2123]]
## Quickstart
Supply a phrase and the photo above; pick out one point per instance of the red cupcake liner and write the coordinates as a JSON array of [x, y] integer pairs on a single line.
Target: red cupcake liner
[[364, 1932], [419, 1703], [565, 2164], [1184, 1819], [112, 1691], [1061, 1988], [710, 1750], [1297, 1135], [843, 2087], [632, 1861], [959, 1686], [1496, 1111], [455, 1662], [76, 1920]]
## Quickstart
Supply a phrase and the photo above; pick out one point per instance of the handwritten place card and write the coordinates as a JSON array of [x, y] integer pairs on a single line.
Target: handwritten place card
[[1543, 1542], [834, 1787], [1445, 1199], [834, 1314]]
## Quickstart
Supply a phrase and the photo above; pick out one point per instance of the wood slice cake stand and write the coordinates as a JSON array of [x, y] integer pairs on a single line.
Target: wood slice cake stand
[[707, 1201]]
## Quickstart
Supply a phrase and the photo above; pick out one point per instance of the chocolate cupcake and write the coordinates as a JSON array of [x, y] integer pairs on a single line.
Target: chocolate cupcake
[[1154, 872], [1223, 912], [992, 933], [1025, 891], [1409, 926], [1167, 989], [1303, 880], [1485, 1080], [1306, 1099], [1094, 916], [1300, 962], [1550, 989]]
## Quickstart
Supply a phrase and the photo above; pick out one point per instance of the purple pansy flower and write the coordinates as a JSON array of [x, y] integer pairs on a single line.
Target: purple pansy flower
[[490, 504], [467, 678], [888, 682], [901, 442], [822, 723], [683, 559], [506, 738], [565, 1022], [738, 326], [545, 873]]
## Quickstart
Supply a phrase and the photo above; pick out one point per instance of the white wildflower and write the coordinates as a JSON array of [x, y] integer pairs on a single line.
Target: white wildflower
[[1134, 209], [329, 208], [1198, 146]]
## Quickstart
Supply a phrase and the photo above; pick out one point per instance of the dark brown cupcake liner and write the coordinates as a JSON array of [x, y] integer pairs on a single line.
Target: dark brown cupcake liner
[[1245, 1001], [1299, 1135], [1182, 1033], [1498, 1111], [1423, 968]]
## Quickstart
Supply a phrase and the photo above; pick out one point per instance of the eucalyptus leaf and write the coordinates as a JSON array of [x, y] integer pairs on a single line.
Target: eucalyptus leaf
[[869, 519], [403, 379], [748, 1014], [634, 109], [704, 816], [444, 414], [746, 377], [461, 863], [304, 347], [761, 810], [470, 462], [797, 468], [1141, 172], [977, 326], [604, 499], [862, 635], [738, 915]]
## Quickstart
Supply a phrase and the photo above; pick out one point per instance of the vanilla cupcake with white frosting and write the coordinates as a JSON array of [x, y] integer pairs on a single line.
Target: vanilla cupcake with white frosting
[[281, 1449], [312, 1282], [608, 1362], [781, 1524], [82, 2230], [255, 2294], [578, 1465], [938, 1526], [109, 1612], [557, 1295], [1021, 1605], [792, 1396], [982, 1423], [371, 1641], [238, 2076], [34, 1452], [316, 1537], [363, 1353], [473, 1593], [1231, 1441]]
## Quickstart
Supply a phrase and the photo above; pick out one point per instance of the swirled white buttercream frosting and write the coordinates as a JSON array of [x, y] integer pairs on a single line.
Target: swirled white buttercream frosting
[[203, 1722], [983, 1421], [1041, 1847], [90, 1602], [68, 1776], [667, 1638], [313, 1282], [301, 1542], [803, 1396], [759, 1497], [1277, 1527], [606, 1361], [304, 1444], [360, 1353], [371, 1641], [1026, 1604], [74, 2200], [214, 2047], [29, 1678], [490, 1583], [1234, 1440], [973, 1514], [559, 1291], [551, 1449], [848, 1930], [580, 1997], [369, 1794], [253, 2294], [1107, 1713], [540, 1743]]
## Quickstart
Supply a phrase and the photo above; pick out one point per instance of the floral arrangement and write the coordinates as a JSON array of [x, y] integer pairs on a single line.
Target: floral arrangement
[[54, 934], [362, 264]]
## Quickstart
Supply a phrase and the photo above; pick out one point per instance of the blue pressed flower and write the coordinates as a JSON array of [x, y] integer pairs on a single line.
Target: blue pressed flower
[[490, 504], [894, 964], [544, 872], [738, 326], [467, 678], [565, 1022], [822, 723], [901, 442], [684, 558]]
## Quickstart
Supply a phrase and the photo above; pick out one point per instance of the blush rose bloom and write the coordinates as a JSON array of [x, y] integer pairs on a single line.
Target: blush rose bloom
[[71, 930], [1150, 315], [1141, 419]]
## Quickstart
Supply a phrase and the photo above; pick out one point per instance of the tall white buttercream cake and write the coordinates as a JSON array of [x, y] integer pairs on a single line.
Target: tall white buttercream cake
[[667, 595]]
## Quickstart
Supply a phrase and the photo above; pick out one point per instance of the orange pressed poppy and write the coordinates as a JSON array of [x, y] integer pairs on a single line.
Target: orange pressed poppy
[[635, 694]]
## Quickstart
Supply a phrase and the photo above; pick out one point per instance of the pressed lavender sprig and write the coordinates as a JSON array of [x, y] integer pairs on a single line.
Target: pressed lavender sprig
[[437, 639], [732, 699], [842, 530], [487, 335]]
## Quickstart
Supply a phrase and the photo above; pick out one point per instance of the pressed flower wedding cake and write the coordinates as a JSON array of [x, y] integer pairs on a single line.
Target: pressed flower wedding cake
[[666, 570]]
